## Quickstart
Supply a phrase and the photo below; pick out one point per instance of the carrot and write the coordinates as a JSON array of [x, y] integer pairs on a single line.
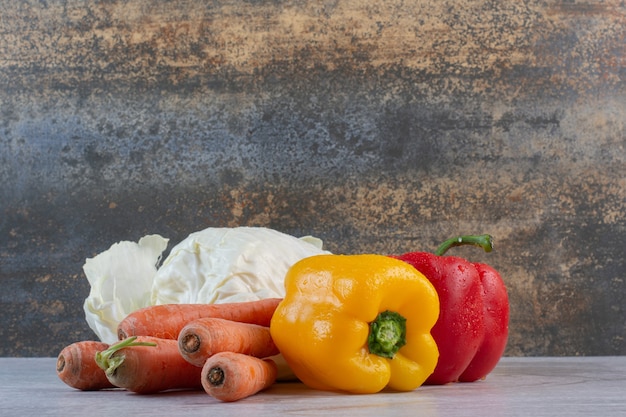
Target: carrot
[[77, 367], [147, 365], [167, 320], [230, 376], [202, 338]]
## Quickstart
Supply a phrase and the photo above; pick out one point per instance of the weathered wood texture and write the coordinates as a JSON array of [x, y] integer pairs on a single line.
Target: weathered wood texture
[[379, 126]]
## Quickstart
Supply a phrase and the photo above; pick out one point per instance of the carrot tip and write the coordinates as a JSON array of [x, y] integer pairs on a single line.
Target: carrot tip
[[190, 343], [216, 376], [60, 363]]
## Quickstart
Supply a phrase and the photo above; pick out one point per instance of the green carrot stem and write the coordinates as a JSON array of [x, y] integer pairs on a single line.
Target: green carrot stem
[[110, 363]]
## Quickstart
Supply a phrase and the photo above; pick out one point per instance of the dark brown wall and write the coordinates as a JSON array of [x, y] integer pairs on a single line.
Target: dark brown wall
[[379, 126]]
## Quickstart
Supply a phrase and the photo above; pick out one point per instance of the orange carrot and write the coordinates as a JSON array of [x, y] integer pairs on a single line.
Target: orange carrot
[[167, 320], [77, 367], [147, 365], [230, 376], [202, 338]]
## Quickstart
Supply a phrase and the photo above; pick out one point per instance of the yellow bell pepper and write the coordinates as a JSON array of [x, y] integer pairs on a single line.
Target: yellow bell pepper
[[357, 323]]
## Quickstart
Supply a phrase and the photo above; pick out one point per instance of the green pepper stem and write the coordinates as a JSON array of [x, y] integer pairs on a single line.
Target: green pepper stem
[[484, 241], [387, 334], [109, 363]]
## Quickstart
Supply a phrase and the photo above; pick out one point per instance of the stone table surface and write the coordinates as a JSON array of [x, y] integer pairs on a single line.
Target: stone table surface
[[546, 386]]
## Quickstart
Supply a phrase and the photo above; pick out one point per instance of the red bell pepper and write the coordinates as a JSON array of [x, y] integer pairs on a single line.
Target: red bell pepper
[[472, 329]]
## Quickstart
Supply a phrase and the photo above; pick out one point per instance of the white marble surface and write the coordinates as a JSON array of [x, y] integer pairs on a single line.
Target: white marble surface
[[592, 386]]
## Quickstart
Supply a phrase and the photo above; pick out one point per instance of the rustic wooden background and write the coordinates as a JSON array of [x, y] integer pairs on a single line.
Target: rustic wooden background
[[379, 126]]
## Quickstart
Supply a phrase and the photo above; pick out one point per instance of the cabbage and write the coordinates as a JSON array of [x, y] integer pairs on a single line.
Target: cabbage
[[215, 265], [121, 281], [223, 265]]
